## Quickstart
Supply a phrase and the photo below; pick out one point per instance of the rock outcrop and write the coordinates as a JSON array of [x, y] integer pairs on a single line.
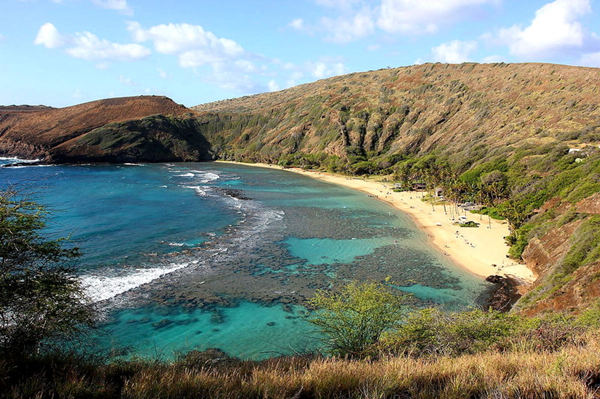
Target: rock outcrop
[[130, 129]]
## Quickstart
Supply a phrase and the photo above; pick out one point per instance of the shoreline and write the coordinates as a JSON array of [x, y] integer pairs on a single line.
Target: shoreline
[[476, 250]]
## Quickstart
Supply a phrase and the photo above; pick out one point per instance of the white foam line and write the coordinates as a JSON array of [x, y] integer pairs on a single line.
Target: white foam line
[[101, 287], [18, 159]]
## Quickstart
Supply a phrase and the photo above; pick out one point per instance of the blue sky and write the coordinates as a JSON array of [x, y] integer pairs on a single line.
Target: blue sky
[[63, 52]]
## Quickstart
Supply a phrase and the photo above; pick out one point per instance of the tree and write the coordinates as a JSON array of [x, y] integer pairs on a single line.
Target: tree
[[354, 318], [40, 299]]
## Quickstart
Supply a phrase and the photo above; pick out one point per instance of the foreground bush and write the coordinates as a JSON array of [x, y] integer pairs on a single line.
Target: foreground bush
[[40, 299], [354, 318], [430, 332]]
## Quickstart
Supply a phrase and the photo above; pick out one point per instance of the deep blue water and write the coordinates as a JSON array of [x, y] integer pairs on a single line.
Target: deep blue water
[[205, 255]]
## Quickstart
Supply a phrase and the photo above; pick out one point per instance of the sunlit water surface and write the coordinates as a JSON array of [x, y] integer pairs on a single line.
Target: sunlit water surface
[[207, 255]]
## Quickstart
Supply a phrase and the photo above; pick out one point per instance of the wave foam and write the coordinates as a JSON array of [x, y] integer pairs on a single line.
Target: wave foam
[[201, 191], [102, 287]]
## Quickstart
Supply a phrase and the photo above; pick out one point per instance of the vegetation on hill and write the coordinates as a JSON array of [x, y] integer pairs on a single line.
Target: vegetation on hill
[[154, 138], [522, 139]]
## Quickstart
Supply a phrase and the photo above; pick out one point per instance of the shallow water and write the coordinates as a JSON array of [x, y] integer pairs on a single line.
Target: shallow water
[[199, 255]]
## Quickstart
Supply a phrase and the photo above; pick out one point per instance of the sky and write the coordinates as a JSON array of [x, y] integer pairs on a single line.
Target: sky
[[64, 52]]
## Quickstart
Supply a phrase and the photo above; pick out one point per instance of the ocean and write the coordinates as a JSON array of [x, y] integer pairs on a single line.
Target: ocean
[[191, 256]]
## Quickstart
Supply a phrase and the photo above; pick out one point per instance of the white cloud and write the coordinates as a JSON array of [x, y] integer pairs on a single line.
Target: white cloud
[[49, 36], [556, 28], [273, 86], [322, 70], [422, 16], [355, 19], [162, 73], [297, 24], [231, 66], [191, 43], [117, 5], [87, 46], [347, 28], [454, 52]]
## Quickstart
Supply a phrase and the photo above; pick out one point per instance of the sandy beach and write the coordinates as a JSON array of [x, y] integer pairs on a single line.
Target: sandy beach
[[481, 250]]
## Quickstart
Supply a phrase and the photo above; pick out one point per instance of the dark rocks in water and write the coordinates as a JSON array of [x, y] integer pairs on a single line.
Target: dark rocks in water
[[21, 164], [271, 323], [287, 308], [217, 317], [239, 194], [504, 295], [162, 324]]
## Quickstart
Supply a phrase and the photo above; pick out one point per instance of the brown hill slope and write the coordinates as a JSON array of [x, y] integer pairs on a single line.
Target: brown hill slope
[[523, 138], [43, 132], [456, 109]]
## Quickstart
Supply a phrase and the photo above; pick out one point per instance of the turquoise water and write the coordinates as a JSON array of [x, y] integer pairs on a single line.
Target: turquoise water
[[202, 255]]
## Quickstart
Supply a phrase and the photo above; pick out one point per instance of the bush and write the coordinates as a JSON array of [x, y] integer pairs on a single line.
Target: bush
[[354, 318], [39, 297], [432, 332]]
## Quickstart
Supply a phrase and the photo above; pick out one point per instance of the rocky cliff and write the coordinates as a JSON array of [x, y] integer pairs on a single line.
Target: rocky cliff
[[146, 128]]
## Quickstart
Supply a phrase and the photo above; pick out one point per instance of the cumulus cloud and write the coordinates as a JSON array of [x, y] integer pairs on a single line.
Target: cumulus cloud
[[321, 70], [454, 52], [117, 5], [49, 37], [194, 45], [345, 29], [231, 67], [419, 16], [555, 28], [87, 46]]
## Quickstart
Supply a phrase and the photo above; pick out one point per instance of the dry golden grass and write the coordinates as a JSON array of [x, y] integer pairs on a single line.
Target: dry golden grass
[[570, 373]]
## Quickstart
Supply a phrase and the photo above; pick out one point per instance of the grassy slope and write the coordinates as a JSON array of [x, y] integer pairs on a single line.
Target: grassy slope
[[572, 372], [518, 119]]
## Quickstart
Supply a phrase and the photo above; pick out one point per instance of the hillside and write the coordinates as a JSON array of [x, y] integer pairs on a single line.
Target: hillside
[[113, 130], [521, 138], [463, 110]]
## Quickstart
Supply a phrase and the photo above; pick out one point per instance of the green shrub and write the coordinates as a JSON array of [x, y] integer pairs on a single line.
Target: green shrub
[[354, 318], [432, 332]]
